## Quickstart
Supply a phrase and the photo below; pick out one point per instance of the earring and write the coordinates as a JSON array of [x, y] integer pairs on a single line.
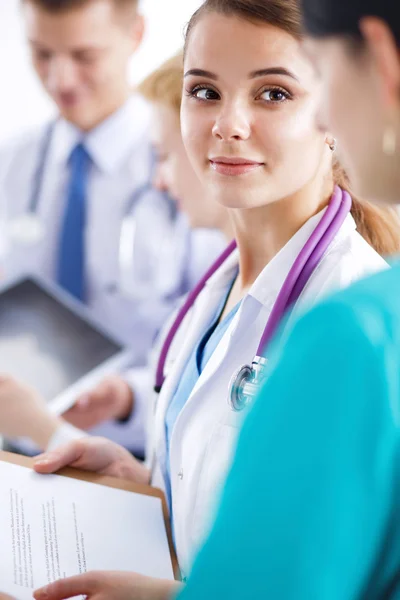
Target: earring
[[389, 142], [333, 145]]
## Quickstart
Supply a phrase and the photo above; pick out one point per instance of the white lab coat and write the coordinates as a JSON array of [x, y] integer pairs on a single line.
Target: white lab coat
[[121, 153], [206, 429]]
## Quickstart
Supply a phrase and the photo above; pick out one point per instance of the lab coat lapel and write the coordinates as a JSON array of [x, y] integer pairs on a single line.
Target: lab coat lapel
[[261, 297], [201, 314], [243, 327]]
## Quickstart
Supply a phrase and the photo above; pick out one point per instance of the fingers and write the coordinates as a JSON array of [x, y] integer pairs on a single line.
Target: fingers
[[50, 462], [5, 597], [110, 399], [89, 453], [99, 396], [90, 409], [80, 414], [68, 588], [84, 401], [90, 401]]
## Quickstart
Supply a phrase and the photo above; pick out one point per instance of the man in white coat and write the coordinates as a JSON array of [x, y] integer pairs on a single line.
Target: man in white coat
[[68, 188]]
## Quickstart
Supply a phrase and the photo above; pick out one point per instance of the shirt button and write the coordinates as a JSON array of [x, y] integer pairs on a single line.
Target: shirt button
[[180, 474]]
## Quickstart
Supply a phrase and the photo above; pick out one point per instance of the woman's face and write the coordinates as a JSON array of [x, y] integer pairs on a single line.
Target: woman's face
[[248, 112], [352, 105], [175, 174]]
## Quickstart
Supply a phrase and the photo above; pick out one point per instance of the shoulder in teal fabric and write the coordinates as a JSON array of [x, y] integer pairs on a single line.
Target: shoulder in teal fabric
[[311, 508]]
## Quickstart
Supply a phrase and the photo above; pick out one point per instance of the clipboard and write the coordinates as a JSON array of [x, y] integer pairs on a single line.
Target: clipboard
[[113, 482]]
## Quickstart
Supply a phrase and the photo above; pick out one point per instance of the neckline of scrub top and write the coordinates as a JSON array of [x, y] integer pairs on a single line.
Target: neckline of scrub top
[[218, 326]]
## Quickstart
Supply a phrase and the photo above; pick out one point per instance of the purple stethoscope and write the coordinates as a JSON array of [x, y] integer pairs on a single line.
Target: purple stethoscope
[[246, 382]]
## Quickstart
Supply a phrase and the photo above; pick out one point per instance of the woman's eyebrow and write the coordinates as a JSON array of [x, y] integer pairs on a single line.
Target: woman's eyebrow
[[273, 71], [252, 75], [201, 73]]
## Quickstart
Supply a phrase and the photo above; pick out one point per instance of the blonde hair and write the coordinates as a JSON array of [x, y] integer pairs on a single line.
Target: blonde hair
[[165, 84]]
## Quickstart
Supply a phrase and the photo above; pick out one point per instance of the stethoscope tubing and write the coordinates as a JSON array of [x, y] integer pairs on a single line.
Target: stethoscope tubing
[[190, 300], [321, 248], [304, 265], [295, 282], [38, 176]]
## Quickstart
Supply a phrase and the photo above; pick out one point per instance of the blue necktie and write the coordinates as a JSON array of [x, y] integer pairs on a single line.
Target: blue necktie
[[71, 259]]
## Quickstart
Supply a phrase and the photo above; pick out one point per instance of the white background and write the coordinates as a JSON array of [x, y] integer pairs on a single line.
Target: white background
[[22, 102]]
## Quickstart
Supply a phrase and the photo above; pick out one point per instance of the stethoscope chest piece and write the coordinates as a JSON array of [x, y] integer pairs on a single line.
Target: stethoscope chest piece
[[237, 399], [245, 384]]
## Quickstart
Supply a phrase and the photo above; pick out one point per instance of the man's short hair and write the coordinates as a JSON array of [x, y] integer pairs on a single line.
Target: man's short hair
[[56, 6]]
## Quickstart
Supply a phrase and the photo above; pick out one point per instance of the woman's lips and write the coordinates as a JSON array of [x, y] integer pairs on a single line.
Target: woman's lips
[[234, 166]]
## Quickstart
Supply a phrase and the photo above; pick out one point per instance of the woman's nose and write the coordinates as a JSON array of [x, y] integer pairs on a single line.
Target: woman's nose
[[232, 124]]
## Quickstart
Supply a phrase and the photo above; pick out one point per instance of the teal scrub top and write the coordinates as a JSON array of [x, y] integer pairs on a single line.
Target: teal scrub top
[[311, 508]]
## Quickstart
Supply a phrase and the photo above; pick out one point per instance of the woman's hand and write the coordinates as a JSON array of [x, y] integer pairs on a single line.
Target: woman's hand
[[112, 398], [97, 455], [109, 586], [5, 597], [24, 413]]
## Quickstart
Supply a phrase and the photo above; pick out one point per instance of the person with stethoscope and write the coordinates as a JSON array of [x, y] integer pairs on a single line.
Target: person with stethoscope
[[324, 524], [23, 413], [80, 207], [248, 124]]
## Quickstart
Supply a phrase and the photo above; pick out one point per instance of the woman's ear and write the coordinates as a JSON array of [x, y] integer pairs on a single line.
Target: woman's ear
[[385, 54]]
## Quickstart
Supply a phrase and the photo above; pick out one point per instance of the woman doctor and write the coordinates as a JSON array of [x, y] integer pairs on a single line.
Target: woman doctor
[[248, 123], [319, 518]]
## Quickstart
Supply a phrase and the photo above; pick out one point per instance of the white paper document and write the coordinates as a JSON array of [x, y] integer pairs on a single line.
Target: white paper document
[[52, 527]]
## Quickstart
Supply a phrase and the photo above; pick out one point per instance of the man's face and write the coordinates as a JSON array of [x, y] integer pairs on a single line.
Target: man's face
[[81, 57]]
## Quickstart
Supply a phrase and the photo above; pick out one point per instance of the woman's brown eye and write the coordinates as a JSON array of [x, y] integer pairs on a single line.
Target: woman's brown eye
[[274, 96], [205, 94]]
